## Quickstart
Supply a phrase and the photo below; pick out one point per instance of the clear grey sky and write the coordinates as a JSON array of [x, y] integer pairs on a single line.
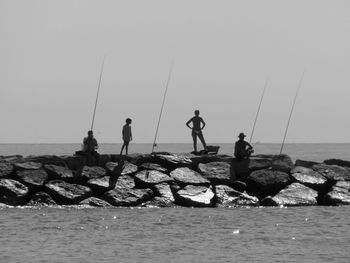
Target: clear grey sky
[[51, 53]]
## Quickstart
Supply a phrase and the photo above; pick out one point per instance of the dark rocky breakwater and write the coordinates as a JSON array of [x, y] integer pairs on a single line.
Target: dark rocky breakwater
[[167, 180]]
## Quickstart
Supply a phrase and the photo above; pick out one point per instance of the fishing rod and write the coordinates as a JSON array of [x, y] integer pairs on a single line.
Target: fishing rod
[[98, 91], [257, 113], [290, 115], [161, 109]]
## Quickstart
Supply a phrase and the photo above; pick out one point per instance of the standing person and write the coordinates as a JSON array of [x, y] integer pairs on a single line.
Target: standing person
[[127, 136], [243, 149], [89, 149], [197, 129]]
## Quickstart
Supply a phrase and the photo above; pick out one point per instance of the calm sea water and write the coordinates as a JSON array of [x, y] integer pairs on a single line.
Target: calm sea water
[[300, 234]]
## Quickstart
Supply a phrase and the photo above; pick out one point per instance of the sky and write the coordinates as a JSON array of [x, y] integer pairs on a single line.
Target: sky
[[222, 53]]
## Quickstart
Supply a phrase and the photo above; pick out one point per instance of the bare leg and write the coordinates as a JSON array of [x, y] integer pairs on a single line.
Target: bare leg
[[194, 137], [202, 140], [126, 148], [121, 151]]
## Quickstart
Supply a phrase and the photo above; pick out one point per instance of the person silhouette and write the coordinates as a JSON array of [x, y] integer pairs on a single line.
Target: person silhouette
[[197, 129], [90, 147], [127, 136], [243, 149]]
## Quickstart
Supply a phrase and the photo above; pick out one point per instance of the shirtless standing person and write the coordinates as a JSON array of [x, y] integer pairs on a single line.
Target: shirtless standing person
[[127, 136], [197, 129]]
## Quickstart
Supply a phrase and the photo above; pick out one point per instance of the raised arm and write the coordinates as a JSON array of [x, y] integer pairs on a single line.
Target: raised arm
[[203, 122]]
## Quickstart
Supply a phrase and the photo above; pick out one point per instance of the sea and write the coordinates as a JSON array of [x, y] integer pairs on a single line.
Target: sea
[[145, 235]]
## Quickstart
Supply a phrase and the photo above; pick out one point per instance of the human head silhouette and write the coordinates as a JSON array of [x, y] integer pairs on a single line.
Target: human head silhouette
[[128, 121], [196, 112]]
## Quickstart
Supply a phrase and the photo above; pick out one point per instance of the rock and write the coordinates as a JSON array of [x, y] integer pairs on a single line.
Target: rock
[[138, 158], [195, 196], [59, 172], [163, 190], [239, 186], [28, 166], [6, 169], [339, 194], [74, 162], [158, 202], [101, 184], [103, 159], [127, 197], [41, 199], [67, 194], [153, 166], [172, 161], [185, 176], [307, 164], [125, 181], [12, 192], [95, 202], [309, 177], [12, 159], [148, 178], [337, 162], [46, 159], [216, 172], [34, 179], [282, 163], [228, 197], [262, 183], [208, 158], [332, 172], [90, 172], [243, 168], [121, 168], [295, 194], [129, 169]]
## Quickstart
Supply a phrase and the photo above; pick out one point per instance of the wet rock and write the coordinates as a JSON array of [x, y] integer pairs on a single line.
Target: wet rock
[[127, 197], [34, 179], [303, 163], [148, 178], [164, 191], [295, 194], [216, 172], [332, 172], [262, 183], [239, 186], [282, 163], [153, 166], [195, 196], [12, 192], [243, 168], [28, 166], [59, 172], [172, 161], [95, 202], [91, 172], [41, 199], [67, 194], [6, 169], [101, 184], [309, 177], [339, 194], [185, 176], [338, 162], [228, 197]]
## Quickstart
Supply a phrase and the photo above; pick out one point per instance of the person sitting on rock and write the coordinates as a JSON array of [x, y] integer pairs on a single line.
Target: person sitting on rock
[[243, 149], [197, 130], [89, 149]]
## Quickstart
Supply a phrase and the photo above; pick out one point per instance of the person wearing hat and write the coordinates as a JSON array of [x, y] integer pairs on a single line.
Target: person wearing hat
[[89, 149], [243, 149]]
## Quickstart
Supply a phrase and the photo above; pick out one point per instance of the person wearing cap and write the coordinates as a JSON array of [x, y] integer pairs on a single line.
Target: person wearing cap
[[89, 148], [243, 149], [197, 129]]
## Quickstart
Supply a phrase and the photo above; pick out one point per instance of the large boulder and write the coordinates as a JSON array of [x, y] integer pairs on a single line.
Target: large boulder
[[332, 172], [242, 168], [339, 194], [172, 161], [282, 163], [185, 176], [129, 169], [127, 196], [6, 169], [216, 172], [208, 158], [195, 196], [304, 163], [295, 194], [12, 192], [28, 166], [114, 168], [45, 159], [102, 184], [59, 172], [148, 178], [164, 191], [337, 162], [74, 162], [95, 202], [125, 181], [153, 166], [41, 199], [34, 179], [228, 197], [158, 202], [309, 177], [67, 194], [90, 172], [262, 183]]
